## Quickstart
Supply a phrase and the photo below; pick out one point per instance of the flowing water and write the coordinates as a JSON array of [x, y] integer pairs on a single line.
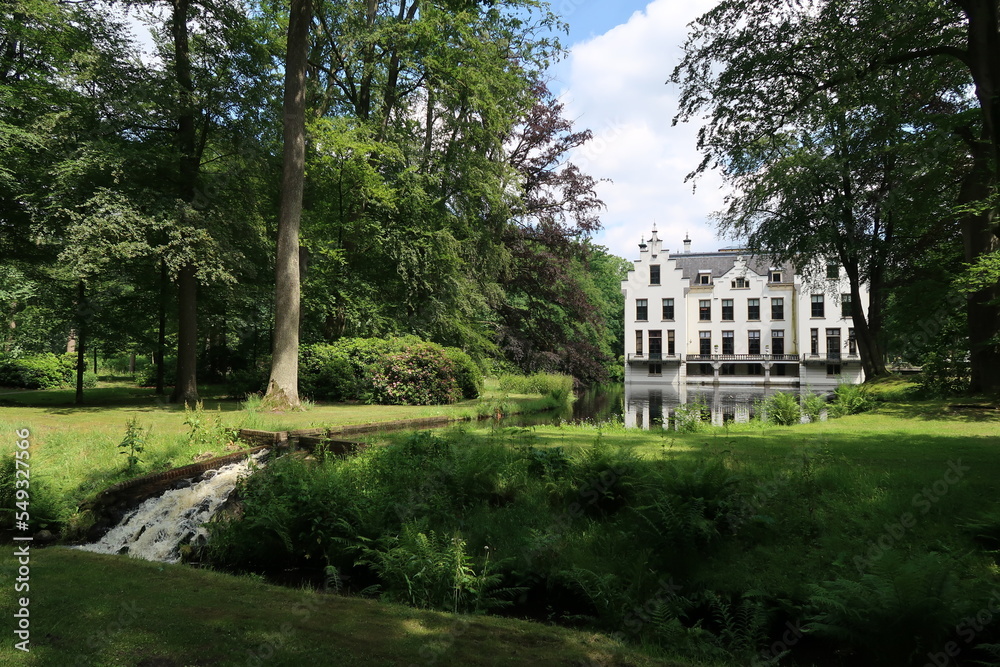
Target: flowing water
[[156, 529]]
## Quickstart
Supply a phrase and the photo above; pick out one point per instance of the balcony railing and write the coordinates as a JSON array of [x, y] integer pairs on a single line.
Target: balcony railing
[[743, 357], [654, 357], [832, 358]]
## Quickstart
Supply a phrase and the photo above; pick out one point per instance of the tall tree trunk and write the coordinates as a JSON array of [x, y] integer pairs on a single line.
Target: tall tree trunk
[[81, 327], [71, 342], [283, 385], [186, 387], [161, 334], [979, 230]]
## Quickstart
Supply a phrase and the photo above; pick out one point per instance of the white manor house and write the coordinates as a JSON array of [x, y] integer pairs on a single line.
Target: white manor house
[[731, 317]]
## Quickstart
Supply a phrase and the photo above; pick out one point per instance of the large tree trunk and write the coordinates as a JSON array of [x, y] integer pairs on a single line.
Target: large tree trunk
[[161, 334], [979, 230], [283, 385], [81, 327], [186, 388]]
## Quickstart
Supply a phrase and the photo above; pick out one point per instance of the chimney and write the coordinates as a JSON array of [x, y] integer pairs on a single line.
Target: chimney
[[687, 243]]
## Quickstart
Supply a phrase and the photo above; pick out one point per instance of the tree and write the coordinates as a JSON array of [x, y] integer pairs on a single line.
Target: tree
[[283, 385], [767, 72]]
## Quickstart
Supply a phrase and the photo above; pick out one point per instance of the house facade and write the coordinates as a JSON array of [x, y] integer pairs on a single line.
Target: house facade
[[734, 317]]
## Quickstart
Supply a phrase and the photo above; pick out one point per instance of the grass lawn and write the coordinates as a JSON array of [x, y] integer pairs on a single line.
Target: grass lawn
[[90, 609], [75, 452]]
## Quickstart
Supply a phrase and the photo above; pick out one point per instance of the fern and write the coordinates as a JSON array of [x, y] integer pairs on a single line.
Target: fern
[[897, 612]]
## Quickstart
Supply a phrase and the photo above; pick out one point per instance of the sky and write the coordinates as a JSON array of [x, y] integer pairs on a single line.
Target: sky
[[613, 82]]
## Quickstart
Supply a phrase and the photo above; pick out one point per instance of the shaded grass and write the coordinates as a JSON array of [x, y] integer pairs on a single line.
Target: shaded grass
[[104, 610]]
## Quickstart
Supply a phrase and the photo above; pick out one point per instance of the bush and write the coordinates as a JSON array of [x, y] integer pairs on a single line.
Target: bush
[[420, 375], [781, 409], [405, 371], [147, 376], [852, 399], [39, 371], [467, 372], [326, 373]]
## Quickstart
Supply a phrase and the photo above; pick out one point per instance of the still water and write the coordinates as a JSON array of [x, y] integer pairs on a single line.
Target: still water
[[643, 406]]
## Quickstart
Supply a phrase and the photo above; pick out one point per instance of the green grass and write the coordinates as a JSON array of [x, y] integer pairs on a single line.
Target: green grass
[[74, 448], [104, 610]]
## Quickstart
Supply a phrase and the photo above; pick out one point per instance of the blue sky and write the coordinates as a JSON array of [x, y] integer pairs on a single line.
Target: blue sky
[[613, 82]]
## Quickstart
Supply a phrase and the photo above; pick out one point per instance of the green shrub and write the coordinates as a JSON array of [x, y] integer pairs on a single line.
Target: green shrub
[[812, 405], [46, 509], [467, 372], [894, 614], [404, 370], [420, 375], [147, 376], [326, 373], [852, 399], [38, 371], [781, 409]]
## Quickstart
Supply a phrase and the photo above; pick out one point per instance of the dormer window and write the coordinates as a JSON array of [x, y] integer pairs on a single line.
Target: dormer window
[[741, 283], [775, 276], [704, 277]]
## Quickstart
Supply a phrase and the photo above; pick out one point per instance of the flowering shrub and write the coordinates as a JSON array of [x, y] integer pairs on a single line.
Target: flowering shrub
[[422, 374], [395, 371]]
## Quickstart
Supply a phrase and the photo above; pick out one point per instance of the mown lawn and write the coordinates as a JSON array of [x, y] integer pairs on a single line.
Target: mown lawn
[[75, 449], [90, 609]]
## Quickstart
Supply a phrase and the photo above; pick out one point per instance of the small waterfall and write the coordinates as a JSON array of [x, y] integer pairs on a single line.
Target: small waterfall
[[156, 529]]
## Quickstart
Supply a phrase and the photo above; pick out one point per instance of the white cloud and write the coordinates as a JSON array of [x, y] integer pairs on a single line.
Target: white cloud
[[614, 84]]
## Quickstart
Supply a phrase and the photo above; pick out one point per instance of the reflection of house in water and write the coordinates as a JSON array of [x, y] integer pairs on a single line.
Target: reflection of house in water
[[647, 406], [729, 317]]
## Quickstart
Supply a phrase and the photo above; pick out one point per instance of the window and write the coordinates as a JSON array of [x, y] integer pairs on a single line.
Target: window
[[778, 308], [833, 343], [814, 341], [727, 343], [655, 345], [741, 283], [832, 271], [833, 369], [656, 369], [654, 274], [852, 342], [668, 309], [641, 309], [817, 305], [727, 310], [638, 343], [753, 309], [778, 341], [704, 278], [753, 342], [845, 305], [755, 369], [705, 310], [775, 276], [705, 342], [671, 349]]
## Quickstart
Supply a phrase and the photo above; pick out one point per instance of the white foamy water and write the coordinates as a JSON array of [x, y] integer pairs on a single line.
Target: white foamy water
[[155, 529]]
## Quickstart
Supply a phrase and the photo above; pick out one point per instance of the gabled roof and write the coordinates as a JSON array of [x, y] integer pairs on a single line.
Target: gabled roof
[[720, 263]]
